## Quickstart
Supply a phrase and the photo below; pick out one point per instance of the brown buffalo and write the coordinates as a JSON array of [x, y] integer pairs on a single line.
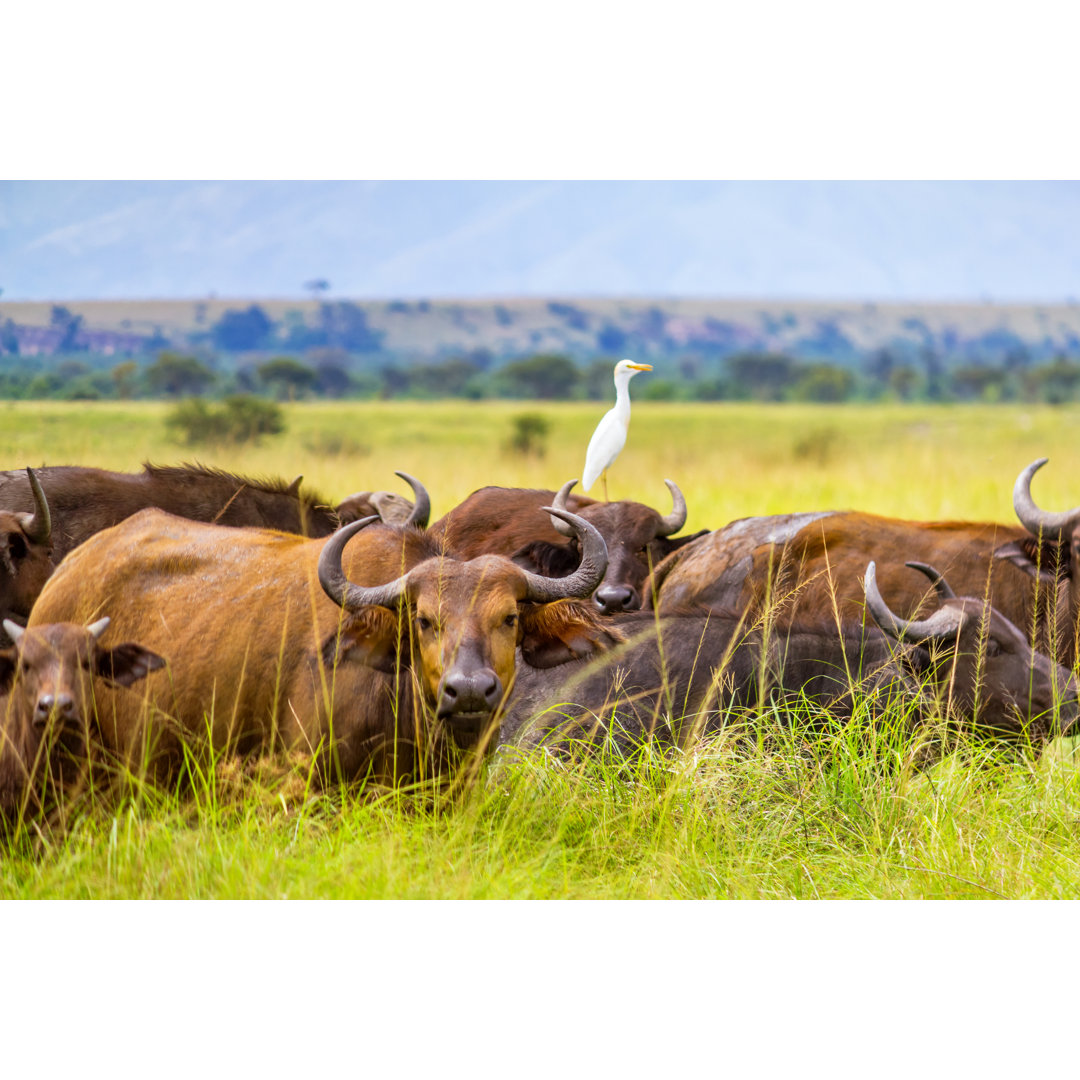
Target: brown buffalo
[[49, 713], [503, 521], [260, 656], [72, 503], [684, 674], [811, 563]]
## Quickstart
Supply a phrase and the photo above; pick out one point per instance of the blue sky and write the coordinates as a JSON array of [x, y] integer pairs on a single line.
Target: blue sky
[[905, 240]]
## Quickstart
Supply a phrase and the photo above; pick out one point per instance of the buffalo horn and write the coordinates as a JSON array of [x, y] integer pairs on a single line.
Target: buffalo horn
[[677, 518], [421, 500], [294, 487], [1033, 519], [943, 625], [338, 587], [38, 525], [559, 502], [582, 582], [98, 628], [941, 586], [13, 630]]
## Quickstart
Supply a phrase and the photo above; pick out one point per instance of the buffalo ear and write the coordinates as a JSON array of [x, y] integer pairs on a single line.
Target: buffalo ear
[[125, 664], [1048, 560], [9, 661], [370, 636], [547, 559], [553, 634]]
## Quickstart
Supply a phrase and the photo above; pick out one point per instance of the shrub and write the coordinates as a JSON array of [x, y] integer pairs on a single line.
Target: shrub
[[529, 435], [238, 419]]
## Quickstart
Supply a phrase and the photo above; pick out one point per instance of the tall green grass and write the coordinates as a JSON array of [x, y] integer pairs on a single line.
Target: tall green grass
[[778, 806]]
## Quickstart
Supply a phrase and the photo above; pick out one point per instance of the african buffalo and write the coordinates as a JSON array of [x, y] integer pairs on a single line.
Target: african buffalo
[[72, 503], [371, 682], [682, 674], [1049, 550], [26, 554], [503, 521], [50, 713], [791, 564]]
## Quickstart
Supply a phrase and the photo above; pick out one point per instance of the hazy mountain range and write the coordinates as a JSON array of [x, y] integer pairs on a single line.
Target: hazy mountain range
[[888, 241]]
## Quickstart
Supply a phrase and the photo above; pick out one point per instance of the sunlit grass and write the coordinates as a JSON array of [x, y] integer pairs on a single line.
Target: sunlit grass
[[849, 812], [730, 460]]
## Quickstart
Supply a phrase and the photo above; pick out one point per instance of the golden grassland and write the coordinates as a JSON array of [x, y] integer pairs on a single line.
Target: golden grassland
[[731, 460], [844, 813]]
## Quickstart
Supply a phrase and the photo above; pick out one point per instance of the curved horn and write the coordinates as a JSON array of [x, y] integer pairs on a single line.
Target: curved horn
[[941, 586], [338, 587], [582, 582], [677, 518], [294, 486], [943, 625], [38, 525], [559, 502], [422, 508], [1031, 517], [13, 630], [98, 628]]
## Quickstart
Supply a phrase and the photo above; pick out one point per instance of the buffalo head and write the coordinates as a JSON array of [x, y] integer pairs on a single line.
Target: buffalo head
[[46, 677], [25, 555], [466, 620], [391, 508], [994, 673], [637, 538]]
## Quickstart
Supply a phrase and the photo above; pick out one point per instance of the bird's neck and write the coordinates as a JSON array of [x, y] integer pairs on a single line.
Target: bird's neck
[[622, 395]]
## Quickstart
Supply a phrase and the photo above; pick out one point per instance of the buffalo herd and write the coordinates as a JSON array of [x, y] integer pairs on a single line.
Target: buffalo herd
[[151, 618]]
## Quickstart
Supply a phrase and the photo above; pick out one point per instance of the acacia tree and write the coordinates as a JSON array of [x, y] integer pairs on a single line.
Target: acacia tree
[[286, 377], [173, 374]]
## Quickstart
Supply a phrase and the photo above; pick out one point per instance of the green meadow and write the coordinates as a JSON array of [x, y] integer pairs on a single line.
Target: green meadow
[[842, 813]]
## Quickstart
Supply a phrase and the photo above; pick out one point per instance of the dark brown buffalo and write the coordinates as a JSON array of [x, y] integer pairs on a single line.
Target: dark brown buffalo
[[26, 554], [683, 674], [261, 656], [503, 521], [1049, 552], [793, 564], [85, 500], [49, 710]]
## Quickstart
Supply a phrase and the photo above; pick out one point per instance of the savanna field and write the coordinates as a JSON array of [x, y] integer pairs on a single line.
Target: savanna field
[[844, 814]]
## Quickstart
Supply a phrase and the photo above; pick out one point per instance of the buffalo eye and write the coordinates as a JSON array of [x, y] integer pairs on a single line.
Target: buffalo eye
[[423, 624], [993, 648], [511, 620]]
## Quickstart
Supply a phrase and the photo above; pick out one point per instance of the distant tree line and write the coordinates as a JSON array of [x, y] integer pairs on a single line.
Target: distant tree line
[[331, 372]]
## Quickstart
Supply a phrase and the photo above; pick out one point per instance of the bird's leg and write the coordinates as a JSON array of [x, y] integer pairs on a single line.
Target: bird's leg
[[603, 480]]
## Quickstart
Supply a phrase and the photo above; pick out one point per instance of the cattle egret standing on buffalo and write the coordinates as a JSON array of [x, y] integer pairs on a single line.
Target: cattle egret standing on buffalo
[[610, 435]]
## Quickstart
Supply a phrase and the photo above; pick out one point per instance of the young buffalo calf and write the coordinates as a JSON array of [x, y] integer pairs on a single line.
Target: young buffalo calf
[[47, 677]]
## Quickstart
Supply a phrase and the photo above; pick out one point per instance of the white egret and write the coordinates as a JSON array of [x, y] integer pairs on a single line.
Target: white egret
[[610, 435]]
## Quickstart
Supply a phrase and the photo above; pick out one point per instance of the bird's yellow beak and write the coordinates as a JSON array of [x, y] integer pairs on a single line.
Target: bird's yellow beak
[[641, 367]]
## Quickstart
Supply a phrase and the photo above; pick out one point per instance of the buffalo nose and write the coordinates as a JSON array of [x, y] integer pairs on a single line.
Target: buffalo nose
[[613, 598], [469, 691], [62, 704]]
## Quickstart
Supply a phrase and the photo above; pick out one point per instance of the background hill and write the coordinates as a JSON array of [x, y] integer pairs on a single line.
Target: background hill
[[890, 241], [706, 331]]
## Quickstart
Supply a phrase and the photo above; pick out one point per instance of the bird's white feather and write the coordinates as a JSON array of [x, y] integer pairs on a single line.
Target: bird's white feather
[[610, 435]]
